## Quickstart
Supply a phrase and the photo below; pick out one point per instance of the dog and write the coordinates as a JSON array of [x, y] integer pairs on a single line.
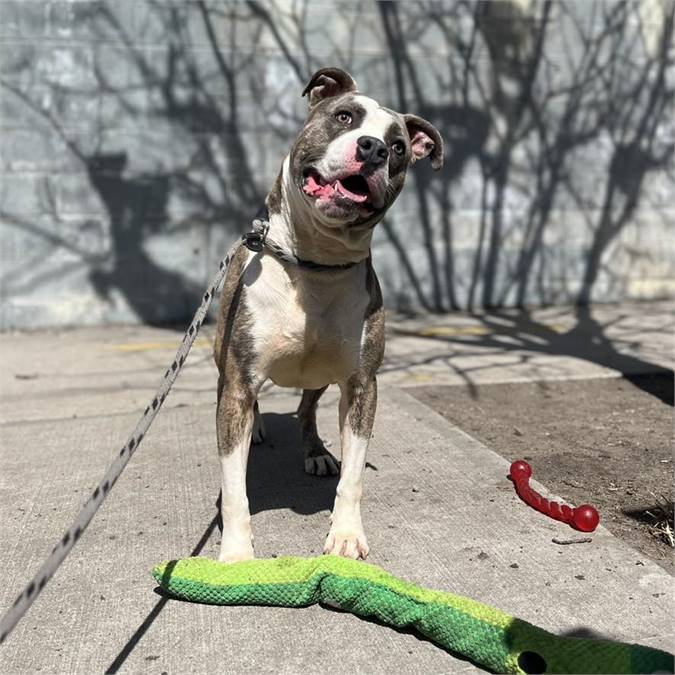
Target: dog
[[306, 311]]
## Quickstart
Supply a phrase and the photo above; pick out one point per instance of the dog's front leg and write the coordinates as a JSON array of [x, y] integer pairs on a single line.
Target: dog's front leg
[[357, 411], [234, 426]]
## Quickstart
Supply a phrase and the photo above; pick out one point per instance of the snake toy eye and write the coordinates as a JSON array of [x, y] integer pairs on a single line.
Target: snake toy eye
[[531, 663]]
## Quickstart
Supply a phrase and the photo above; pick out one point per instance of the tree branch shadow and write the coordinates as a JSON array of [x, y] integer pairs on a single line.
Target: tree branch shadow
[[523, 99]]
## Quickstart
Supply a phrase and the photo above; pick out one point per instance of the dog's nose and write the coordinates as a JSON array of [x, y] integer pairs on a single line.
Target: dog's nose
[[371, 150]]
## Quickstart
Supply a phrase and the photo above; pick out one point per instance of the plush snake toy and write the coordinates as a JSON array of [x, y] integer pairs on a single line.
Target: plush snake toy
[[485, 635]]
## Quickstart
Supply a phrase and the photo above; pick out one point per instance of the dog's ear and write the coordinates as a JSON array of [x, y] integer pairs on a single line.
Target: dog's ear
[[424, 140], [328, 82]]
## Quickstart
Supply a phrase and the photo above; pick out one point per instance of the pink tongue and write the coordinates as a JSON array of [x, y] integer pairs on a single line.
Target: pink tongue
[[311, 187]]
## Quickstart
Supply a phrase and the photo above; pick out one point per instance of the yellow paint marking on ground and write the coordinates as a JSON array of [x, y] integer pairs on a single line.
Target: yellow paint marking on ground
[[419, 377], [201, 343], [431, 331], [557, 327]]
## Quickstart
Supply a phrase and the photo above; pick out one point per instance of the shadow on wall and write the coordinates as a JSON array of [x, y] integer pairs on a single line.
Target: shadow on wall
[[555, 114], [136, 206], [527, 125]]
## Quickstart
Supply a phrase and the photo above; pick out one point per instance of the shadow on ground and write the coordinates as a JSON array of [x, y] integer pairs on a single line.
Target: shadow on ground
[[518, 332], [276, 475], [144, 626]]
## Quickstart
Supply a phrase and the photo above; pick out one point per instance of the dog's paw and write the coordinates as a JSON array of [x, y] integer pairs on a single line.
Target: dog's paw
[[230, 554], [237, 546], [347, 544], [322, 465]]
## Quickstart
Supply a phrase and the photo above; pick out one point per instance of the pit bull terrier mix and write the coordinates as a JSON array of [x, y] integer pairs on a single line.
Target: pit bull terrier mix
[[314, 316]]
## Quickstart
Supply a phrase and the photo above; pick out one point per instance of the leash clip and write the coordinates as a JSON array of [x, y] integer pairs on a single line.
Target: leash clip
[[255, 240]]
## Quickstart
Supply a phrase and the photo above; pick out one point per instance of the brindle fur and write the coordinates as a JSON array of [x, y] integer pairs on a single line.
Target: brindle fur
[[233, 353], [320, 128], [308, 329], [273, 200], [362, 385], [312, 444]]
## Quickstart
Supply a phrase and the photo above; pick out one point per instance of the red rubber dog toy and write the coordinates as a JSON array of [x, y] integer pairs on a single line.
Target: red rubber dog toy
[[584, 518]]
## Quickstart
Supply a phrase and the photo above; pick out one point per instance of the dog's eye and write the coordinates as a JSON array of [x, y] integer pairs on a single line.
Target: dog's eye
[[344, 117], [398, 147]]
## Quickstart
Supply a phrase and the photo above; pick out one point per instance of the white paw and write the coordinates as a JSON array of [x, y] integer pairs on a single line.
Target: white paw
[[322, 465], [231, 553], [236, 545], [347, 544]]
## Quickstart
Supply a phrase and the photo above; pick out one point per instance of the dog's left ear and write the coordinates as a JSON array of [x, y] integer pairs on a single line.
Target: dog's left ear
[[328, 82], [424, 140]]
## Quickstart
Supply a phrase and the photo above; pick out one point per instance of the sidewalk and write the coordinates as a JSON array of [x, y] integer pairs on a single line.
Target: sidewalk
[[438, 509]]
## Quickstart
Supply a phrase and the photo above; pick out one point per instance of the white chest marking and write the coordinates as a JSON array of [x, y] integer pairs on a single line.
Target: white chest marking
[[307, 332]]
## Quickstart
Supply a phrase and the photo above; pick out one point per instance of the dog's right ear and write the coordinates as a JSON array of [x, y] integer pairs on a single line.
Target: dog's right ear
[[328, 82]]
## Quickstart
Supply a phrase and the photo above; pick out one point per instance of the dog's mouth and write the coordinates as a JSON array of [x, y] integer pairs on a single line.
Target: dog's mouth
[[352, 188]]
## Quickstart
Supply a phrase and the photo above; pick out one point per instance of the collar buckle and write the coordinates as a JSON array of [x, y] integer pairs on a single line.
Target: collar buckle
[[254, 241]]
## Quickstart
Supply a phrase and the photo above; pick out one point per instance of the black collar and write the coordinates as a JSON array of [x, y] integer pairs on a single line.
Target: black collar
[[257, 239]]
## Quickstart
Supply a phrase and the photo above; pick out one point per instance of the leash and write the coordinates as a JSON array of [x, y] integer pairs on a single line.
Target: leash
[[255, 241], [92, 505]]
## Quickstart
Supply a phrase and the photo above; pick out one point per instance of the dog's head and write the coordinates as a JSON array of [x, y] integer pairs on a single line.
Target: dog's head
[[350, 161]]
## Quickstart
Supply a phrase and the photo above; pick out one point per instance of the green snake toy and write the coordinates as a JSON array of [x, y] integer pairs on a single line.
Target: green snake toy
[[485, 635]]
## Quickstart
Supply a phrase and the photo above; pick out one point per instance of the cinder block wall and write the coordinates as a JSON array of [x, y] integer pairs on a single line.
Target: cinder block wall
[[139, 137]]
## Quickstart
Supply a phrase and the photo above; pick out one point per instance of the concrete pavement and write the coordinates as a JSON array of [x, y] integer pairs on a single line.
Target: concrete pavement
[[105, 370], [438, 508]]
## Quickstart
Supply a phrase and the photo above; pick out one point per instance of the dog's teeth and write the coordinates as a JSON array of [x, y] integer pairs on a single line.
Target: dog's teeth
[[350, 195]]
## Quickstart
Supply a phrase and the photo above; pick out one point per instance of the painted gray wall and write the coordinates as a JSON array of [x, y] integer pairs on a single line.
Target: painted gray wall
[[138, 137]]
